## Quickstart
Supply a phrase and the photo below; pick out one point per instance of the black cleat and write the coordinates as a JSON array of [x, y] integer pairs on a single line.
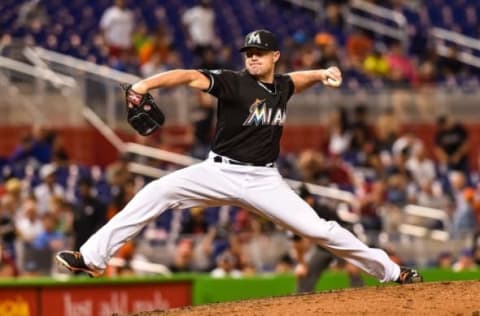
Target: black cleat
[[409, 275], [73, 261]]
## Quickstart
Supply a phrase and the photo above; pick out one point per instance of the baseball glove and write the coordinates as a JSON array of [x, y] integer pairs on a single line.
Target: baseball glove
[[143, 114]]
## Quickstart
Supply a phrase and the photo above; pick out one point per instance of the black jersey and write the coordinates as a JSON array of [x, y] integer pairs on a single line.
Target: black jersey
[[250, 115]]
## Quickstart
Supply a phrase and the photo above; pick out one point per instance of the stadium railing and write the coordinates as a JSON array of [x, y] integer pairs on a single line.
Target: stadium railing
[[464, 44], [99, 89], [40, 92], [379, 24]]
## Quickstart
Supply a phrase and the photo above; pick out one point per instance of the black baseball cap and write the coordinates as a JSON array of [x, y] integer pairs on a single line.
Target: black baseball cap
[[261, 39]]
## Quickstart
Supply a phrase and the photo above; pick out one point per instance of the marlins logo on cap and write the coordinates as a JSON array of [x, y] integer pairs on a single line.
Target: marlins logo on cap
[[261, 39]]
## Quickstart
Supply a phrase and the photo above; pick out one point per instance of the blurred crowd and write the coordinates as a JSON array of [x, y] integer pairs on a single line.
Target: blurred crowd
[[49, 202], [148, 39]]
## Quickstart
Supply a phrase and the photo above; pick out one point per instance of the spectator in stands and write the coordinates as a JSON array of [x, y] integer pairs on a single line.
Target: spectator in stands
[[285, 265], [431, 194], [370, 199], [338, 132], [427, 78], [315, 168], [183, 258], [7, 225], [117, 173], [121, 264], [259, 247], [8, 266], [465, 262], [464, 217], [359, 45], [49, 238], [203, 118], [195, 222], [398, 180], [140, 37], [89, 212], [60, 156], [387, 131], [225, 58], [476, 247], [362, 146], [116, 24], [47, 189], [226, 266], [32, 15], [420, 166], [39, 254], [451, 145], [375, 63], [328, 50], [200, 27], [14, 194], [42, 144], [405, 144], [450, 65], [402, 70], [35, 148], [334, 22], [22, 155], [121, 196], [62, 210], [445, 260], [28, 224], [157, 45], [203, 115]]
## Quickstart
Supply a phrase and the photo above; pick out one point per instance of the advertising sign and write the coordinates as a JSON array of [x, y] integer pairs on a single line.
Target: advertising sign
[[18, 302], [103, 300]]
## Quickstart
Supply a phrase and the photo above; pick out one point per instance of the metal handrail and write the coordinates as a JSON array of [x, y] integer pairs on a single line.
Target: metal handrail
[[38, 62], [442, 35], [455, 37], [314, 5], [13, 91], [57, 79], [380, 11], [89, 67], [399, 19], [376, 26], [103, 128]]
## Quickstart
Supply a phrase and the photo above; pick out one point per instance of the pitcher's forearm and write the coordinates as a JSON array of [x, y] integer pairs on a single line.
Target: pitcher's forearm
[[304, 79], [172, 78]]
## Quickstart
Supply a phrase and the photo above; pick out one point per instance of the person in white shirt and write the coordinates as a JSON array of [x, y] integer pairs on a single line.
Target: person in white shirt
[[47, 189], [226, 267], [200, 23], [421, 167], [117, 24]]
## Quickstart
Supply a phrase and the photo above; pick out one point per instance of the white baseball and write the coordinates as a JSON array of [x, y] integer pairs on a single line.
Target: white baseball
[[334, 82]]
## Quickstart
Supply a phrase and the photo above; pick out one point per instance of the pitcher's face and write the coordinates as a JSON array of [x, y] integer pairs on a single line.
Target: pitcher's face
[[260, 62]]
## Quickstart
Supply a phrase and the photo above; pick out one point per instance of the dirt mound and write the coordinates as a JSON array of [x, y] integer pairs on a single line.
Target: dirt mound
[[439, 298]]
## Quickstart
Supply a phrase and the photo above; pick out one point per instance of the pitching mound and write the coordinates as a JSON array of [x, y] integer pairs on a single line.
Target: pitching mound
[[443, 298]]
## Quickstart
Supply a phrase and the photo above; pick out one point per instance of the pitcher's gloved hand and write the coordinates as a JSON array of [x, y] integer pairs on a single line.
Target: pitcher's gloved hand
[[143, 114]]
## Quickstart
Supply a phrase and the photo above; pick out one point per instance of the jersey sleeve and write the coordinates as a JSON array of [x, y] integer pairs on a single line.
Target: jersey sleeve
[[290, 85], [222, 83]]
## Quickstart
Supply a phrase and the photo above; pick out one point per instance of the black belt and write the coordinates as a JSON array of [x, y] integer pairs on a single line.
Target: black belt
[[220, 159]]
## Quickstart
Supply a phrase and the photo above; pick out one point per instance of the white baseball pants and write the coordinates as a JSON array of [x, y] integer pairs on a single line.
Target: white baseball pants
[[260, 189]]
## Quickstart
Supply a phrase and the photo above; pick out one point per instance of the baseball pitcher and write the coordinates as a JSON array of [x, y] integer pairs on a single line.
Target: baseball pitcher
[[240, 169]]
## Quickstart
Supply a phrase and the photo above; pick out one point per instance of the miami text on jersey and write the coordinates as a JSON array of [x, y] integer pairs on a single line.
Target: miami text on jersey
[[260, 114]]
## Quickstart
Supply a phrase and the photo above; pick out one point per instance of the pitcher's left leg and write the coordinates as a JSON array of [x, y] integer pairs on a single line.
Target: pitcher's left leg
[[275, 199]]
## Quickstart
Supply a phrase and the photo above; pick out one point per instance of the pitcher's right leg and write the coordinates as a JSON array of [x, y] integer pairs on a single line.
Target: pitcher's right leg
[[181, 189]]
